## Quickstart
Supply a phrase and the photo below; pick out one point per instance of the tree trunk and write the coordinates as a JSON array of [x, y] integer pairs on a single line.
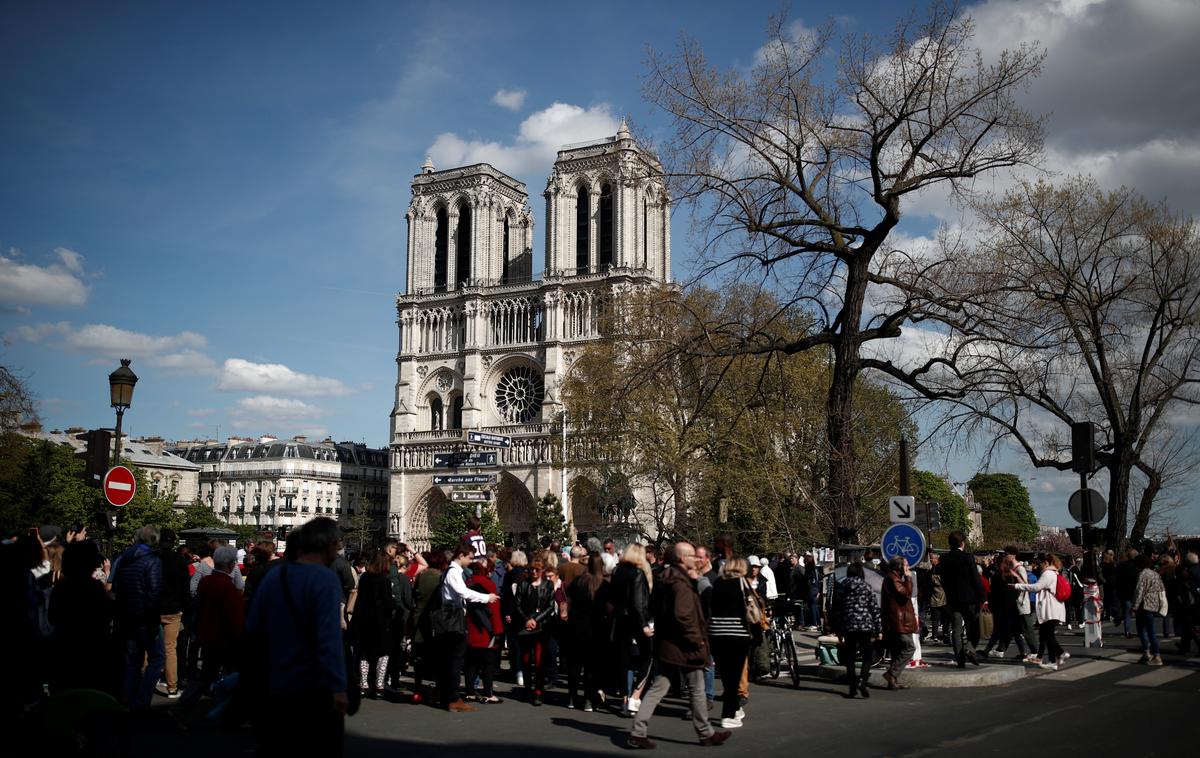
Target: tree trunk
[[1119, 470], [1142, 520], [839, 406]]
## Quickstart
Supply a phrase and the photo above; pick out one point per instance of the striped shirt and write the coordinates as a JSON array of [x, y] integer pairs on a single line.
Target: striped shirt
[[728, 609]]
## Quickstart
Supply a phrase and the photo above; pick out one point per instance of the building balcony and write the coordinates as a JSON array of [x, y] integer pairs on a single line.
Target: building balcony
[[460, 435]]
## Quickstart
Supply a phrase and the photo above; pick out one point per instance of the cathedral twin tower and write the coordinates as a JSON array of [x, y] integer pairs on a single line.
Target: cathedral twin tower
[[484, 344]]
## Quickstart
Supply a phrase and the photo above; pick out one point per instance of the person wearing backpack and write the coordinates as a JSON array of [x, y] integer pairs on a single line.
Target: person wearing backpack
[[1053, 590]]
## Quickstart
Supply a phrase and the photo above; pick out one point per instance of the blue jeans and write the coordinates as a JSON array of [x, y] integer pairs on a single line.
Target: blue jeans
[[143, 643], [1126, 614], [710, 675], [814, 612], [1145, 630]]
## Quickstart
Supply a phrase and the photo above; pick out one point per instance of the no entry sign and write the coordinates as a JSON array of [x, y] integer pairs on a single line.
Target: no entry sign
[[119, 485]]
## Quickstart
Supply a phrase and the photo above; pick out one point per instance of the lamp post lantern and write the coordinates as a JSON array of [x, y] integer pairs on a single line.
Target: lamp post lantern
[[120, 388]]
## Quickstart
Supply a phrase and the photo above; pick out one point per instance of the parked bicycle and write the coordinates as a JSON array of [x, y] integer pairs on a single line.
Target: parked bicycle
[[781, 648]]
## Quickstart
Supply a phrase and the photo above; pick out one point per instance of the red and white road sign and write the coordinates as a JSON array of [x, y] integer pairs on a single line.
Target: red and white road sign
[[119, 485]]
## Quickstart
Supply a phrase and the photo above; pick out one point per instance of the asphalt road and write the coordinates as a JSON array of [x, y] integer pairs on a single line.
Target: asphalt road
[[1100, 703]]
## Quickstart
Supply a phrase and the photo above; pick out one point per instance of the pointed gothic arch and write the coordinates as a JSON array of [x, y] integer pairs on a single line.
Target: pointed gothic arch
[[515, 507], [441, 249], [421, 517], [462, 246], [583, 229], [607, 224]]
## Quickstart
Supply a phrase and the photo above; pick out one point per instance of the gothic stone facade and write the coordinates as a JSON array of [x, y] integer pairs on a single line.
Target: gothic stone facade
[[485, 345]]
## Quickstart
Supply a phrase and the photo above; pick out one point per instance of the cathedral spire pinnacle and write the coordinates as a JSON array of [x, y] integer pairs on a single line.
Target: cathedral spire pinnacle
[[427, 166], [623, 130]]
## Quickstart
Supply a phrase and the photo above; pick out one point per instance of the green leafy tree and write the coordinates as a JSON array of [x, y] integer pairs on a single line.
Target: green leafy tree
[[199, 515], [548, 521], [146, 509], [952, 509], [42, 483], [1007, 513], [452, 525]]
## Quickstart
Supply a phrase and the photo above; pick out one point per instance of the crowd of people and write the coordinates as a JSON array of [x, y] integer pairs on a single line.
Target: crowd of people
[[306, 634]]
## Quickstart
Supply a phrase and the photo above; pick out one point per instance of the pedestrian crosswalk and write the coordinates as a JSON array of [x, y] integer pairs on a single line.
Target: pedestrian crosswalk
[[1123, 670]]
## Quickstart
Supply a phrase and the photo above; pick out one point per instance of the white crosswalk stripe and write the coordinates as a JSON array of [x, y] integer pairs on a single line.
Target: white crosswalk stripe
[[1083, 671], [1158, 677]]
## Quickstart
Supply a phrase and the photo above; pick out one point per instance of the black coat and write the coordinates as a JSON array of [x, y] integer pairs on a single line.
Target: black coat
[[371, 625], [960, 579], [630, 596]]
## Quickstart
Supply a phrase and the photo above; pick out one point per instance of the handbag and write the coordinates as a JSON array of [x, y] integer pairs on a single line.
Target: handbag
[[446, 619], [1162, 602], [756, 615]]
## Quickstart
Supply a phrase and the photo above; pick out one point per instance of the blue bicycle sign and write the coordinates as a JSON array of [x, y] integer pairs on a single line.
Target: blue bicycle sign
[[905, 541]]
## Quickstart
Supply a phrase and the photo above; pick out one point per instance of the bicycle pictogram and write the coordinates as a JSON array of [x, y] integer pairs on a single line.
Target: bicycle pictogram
[[906, 547]]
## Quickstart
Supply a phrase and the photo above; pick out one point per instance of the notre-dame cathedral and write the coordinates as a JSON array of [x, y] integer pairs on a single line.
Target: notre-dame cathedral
[[485, 343]]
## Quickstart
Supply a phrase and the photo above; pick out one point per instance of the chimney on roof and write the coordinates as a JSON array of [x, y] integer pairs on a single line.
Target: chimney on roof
[[267, 438], [300, 438]]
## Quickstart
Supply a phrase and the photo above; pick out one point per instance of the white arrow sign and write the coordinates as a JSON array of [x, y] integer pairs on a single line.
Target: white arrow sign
[[902, 509]]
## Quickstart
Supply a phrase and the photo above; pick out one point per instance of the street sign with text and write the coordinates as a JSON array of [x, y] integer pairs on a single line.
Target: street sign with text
[[491, 440], [443, 480], [454, 460], [470, 496], [119, 485], [902, 509]]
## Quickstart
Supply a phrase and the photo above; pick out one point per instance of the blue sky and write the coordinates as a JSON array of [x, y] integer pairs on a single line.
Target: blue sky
[[217, 190]]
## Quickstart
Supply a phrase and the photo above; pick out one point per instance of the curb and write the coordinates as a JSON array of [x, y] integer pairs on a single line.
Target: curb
[[941, 676]]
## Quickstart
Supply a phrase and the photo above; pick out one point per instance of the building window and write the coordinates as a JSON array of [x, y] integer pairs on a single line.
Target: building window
[[582, 229], [462, 260], [606, 226], [456, 409], [645, 233], [441, 246], [504, 273]]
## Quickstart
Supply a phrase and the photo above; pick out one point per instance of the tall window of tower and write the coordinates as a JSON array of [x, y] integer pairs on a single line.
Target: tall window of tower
[[456, 408], [645, 233], [583, 228], [606, 226], [435, 413], [505, 272], [441, 241], [462, 260]]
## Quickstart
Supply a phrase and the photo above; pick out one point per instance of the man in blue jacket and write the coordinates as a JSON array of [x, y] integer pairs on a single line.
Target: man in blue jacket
[[138, 586]]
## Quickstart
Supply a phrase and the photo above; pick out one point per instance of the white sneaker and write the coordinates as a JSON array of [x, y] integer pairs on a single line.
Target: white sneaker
[[1065, 655], [730, 723], [1048, 666], [1032, 658], [995, 654], [634, 704], [520, 679], [741, 714]]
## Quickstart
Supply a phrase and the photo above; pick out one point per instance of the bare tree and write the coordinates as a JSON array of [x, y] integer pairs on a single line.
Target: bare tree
[[798, 169], [1091, 313], [17, 406]]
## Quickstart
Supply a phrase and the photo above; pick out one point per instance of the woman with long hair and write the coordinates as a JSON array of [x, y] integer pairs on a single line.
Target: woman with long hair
[[633, 626], [371, 625], [518, 564], [428, 580], [1050, 610], [729, 635], [587, 606]]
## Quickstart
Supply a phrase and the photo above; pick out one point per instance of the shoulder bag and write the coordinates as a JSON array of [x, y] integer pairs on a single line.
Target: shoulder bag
[[445, 619]]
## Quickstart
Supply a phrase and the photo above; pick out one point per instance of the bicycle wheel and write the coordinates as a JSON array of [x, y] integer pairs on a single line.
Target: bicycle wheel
[[789, 649], [776, 656]]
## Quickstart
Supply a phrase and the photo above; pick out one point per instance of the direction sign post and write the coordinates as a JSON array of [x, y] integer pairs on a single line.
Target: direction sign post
[[1087, 506], [442, 480], [902, 509], [491, 440], [456, 459], [904, 540], [470, 496], [119, 486]]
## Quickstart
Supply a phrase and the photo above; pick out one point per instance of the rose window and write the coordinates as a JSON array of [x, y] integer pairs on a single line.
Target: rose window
[[519, 394]]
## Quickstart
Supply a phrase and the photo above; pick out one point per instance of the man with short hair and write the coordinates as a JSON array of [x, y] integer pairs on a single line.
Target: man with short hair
[[176, 593], [474, 537], [568, 571], [964, 597], [452, 646], [220, 617], [296, 633], [138, 585], [681, 647], [610, 547]]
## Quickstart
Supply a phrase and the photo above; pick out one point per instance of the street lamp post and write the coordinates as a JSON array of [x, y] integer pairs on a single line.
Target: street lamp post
[[120, 388]]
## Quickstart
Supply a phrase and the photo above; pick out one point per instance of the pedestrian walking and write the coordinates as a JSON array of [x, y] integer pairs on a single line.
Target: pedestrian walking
[[681, 647], [533, 609], [137, 585], [370, 627], [1148, 596], [730, 636], [632, 626], [855, 621], [485, 636], [586, 630], [899, 620], [964, 598], [219, 619], [1050, 610], [450, 640]]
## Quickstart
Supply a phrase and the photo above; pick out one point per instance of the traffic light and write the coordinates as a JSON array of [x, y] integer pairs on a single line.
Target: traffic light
[[1083, 450], [99, 443]]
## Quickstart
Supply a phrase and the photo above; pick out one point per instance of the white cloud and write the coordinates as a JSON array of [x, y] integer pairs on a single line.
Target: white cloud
[[110, 341], [238, 375], [540, 136], [57, 284], [797, 42], [512, 99], [185, 361], [201, 412], [266, 411], [37, 333]]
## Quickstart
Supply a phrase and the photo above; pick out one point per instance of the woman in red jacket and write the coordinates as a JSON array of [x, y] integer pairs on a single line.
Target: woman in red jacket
[[899, 619], [485, 633]]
